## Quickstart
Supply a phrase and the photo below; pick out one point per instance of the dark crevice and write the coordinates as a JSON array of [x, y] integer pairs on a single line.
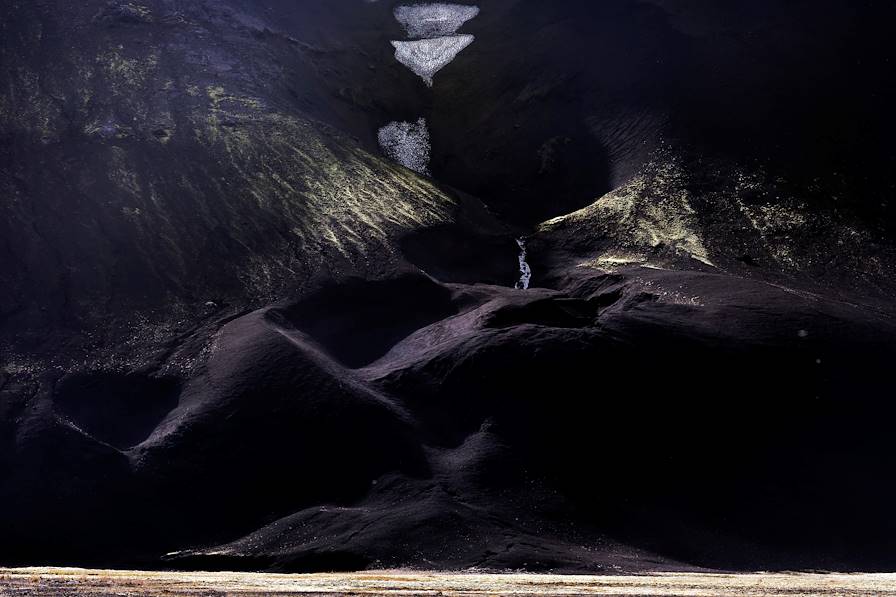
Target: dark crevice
[[120, 410]]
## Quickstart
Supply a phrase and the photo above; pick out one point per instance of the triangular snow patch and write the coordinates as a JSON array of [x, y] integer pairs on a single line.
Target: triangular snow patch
[[426, 57], [434, 20]]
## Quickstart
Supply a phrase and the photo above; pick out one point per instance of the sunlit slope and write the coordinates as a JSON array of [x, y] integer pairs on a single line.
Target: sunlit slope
[[151, 157]]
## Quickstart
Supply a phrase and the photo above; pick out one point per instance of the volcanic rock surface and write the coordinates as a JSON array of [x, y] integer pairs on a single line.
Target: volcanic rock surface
[[235, 335]]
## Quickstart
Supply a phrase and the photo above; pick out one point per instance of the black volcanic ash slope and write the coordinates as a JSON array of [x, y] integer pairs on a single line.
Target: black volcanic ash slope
[[157, 155], [234, 335]]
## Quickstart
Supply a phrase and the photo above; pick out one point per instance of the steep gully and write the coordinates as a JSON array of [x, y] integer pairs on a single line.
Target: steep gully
[[435, 43]]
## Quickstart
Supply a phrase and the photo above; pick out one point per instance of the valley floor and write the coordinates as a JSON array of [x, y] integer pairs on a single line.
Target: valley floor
[[63, 582]]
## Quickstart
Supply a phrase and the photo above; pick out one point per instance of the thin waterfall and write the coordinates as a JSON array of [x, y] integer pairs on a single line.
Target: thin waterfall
[[525, 270]]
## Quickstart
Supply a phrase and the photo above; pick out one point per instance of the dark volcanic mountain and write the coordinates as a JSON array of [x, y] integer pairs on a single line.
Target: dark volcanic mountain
[[234, 333]]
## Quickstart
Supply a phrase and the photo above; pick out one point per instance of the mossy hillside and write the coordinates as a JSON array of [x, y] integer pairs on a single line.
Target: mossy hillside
[[144, 171], [681, 211]]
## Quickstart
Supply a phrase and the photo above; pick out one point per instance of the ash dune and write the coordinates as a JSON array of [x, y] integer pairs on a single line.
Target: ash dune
[[239, 330]]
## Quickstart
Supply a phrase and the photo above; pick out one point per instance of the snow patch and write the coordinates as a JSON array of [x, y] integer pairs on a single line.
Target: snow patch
[[407, 143], [423, 21], [426, 57]]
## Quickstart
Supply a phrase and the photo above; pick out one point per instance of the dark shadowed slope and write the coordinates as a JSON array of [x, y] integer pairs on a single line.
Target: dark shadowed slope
[[689, 414], [234, 335]]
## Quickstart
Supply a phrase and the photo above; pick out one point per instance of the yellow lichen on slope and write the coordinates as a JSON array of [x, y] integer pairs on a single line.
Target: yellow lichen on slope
[[127, 75], [650, 213], [334, 193]]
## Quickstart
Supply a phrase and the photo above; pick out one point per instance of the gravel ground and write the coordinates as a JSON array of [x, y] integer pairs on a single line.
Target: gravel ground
[[94, 583]]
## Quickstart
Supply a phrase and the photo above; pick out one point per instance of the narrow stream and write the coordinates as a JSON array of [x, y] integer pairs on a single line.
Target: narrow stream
[[525, 270]]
